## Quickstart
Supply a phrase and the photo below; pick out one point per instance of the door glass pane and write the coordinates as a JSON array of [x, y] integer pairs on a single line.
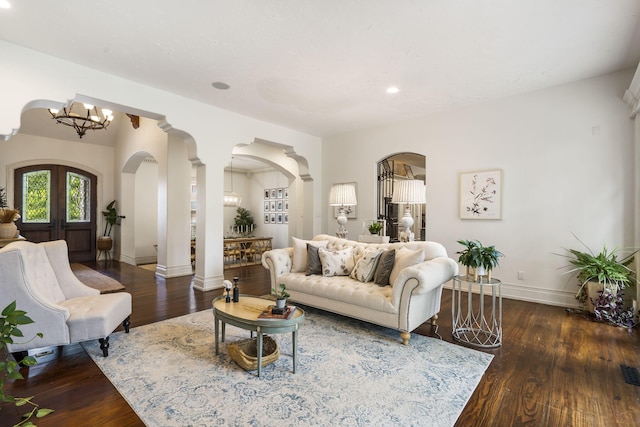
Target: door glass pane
[[78, 196], [36, 196]]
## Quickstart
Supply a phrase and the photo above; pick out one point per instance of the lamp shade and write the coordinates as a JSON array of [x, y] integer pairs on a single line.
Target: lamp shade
[[410, 192], [343, 195]]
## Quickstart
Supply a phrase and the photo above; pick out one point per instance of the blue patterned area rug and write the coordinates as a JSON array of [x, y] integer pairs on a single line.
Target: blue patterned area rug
[[350, 373]]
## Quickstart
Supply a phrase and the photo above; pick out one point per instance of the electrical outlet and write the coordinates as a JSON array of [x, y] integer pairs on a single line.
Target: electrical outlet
[[520, 275]]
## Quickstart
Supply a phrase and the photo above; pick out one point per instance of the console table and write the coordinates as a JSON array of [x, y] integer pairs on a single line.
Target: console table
[[245, 250], [476, 322]]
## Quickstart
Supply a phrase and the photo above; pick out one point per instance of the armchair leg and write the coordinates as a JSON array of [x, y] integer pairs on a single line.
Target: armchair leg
[[126, 324], [104, 346]]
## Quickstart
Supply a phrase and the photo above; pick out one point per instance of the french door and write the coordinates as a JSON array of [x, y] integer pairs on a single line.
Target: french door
[[58, 202]]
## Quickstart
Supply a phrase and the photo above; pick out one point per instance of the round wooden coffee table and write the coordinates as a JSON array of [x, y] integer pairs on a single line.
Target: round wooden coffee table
[[244, 314]]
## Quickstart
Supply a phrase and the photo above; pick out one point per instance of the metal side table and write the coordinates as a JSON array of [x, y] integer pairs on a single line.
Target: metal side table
[[474, 321]]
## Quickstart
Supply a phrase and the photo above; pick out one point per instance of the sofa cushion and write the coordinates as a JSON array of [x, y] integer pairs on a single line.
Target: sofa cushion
[[314, 266], [384, 267], [336, 263], [366, 265], [405, 258], [299, 261]]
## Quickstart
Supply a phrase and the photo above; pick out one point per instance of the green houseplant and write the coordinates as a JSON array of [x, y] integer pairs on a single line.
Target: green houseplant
[[478, 258], [244, 221], [375, 228], [600, 274], [281, 295], [111, 218], [10, 320]]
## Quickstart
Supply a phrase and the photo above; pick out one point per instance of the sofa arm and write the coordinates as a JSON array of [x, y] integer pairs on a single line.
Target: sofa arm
[[278, 262], [426, 276]]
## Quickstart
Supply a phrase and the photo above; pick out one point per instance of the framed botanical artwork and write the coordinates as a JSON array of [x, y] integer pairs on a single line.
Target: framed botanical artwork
[[279, 220], [279, 204], [286, 218], [286, 193], [267, 219], [481, 194], [272, 218], [280, 193], [267, 193], [274, 193], [267, 204], [272, 206], [286, 205]]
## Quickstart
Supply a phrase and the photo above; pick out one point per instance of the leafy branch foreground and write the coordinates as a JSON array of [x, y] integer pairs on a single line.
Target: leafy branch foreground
[[9, 321]]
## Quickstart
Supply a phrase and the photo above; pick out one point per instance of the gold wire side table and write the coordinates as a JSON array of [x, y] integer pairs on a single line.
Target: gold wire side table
[[475, 321]]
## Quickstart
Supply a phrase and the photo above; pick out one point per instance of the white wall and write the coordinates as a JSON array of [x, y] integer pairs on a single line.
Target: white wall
[[568, 167], [146, 212]]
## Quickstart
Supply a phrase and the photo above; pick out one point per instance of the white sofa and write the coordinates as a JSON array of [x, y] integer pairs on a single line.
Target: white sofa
[[39, 278], [412, 298]]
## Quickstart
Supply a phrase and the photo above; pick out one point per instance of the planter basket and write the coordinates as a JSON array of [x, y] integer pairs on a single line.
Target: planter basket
[[245, 353]]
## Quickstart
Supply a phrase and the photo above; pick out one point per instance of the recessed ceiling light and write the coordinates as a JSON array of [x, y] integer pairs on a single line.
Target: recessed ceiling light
[[393, 89], [4, 4], [217, 85]]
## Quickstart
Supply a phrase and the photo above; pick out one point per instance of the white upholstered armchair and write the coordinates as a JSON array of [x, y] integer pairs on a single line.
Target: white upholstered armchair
[[39, 278]]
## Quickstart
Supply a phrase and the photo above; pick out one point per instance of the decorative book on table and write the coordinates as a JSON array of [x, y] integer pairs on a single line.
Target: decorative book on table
[[273, 313]]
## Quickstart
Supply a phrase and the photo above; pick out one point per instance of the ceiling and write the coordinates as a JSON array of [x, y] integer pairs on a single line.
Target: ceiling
[[322, 67]]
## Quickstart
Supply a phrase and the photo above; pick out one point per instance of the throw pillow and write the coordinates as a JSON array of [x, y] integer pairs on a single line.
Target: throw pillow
[[314, 266], [385, 265], [300, 261], [366, 265], [336, 263], [404, 258]]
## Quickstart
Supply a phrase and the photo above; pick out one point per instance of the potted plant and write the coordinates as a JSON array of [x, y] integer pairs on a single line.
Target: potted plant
[[111, 217], [482, 259], [375, 228], [600, 274], [10, 319], [244, 221], [8, 228], [281, 295]]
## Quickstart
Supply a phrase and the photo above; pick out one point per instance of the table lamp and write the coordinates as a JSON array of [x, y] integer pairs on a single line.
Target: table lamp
[[343, 196], [408, 192]]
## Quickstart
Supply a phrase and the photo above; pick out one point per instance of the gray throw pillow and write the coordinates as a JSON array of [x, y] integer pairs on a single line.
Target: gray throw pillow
[[385, 265], [314, 266]]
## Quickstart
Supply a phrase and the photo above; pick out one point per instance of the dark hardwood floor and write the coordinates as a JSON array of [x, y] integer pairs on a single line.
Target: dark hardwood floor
[[555, 368]]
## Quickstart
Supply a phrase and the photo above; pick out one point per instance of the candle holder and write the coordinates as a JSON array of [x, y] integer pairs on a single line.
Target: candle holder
[[227, 287], [236, 290]]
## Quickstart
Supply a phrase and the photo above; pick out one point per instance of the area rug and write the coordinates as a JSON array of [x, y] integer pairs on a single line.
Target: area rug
[[94, 279], [350, 373]]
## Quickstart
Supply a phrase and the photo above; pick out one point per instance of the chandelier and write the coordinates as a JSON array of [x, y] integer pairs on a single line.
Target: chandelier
[[82, 117], [230, 198]]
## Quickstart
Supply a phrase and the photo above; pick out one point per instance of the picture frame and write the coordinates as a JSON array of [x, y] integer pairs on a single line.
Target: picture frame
[[267, 194], [279, 218], [267, 218], [267, 204], [280, 193], [286, 205], [273, 193], [286, 218], [272, 206], [279, 207], [286, 193], [272, 218], [480, 195]]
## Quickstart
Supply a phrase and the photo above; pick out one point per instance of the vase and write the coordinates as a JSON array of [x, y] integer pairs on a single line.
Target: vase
[[8, 230], [281, 302]]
